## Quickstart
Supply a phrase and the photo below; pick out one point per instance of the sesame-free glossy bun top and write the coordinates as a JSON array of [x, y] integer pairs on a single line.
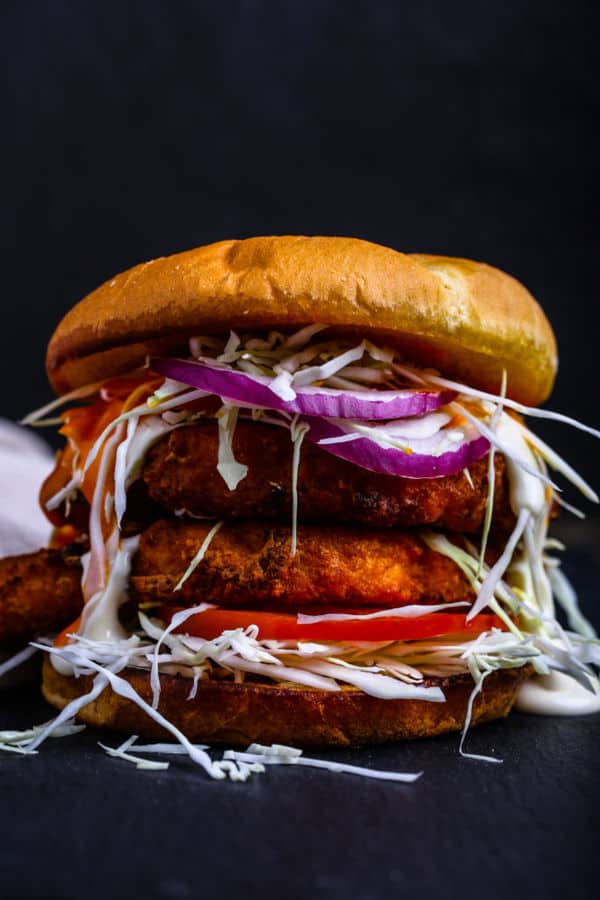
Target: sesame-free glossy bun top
[[466, 319]]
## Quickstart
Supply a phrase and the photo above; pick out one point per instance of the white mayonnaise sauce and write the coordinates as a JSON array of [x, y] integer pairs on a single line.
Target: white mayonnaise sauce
[[62, 667], [100, 617], [557, 695], [525, 490]]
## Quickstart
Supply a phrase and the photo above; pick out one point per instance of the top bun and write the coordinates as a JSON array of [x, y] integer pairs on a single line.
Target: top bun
[[466, 319]]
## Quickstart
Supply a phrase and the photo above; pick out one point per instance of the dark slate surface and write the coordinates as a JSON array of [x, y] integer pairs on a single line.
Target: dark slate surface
[[76, 823]]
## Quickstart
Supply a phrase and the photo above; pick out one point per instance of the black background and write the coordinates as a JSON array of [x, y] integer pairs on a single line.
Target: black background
[[138, 129]]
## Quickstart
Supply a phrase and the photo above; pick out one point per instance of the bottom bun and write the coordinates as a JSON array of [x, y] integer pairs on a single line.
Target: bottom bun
[[241, 714]]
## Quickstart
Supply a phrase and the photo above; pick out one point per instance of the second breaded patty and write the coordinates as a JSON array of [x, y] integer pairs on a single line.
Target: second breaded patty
[[249, 565]]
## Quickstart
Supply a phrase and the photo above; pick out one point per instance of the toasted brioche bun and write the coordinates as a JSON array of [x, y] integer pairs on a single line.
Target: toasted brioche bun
[[466, 319], [239, 714]]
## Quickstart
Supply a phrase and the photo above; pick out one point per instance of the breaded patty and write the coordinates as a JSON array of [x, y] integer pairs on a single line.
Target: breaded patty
[[249, 565], [39, 593], [180, 473]]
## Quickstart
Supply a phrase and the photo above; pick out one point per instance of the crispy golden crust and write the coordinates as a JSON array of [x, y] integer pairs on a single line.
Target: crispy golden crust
[[180, 473], [239, 714], [249, 565], [467, 319], [39, 592]]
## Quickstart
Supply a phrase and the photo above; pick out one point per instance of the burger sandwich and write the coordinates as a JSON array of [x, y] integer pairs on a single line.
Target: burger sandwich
[[298, 502]]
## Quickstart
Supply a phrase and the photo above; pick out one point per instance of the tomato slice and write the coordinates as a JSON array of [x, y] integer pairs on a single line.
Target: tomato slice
[[282, 626], [61, 640]]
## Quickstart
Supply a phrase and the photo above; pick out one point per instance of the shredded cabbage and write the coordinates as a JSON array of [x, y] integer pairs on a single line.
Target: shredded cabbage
[[285, 756], [331, 367], [178, 619], [13, 662], [504, 448], [67, 714], [558, 463], [300, 338], [519, 587], [230, 470], [199, 555], [95, 574], [500, 566], [533, 411], [297, 432], [491, 476], [140, 762], [403, 612], [121, 469], [171, 402], [479, 677], [239, 765], [19, 741], [67, 492], [566, 596], [78, 394]]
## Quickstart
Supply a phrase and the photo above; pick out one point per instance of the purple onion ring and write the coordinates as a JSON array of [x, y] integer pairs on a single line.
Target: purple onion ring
[[254, 390], [368, 454]]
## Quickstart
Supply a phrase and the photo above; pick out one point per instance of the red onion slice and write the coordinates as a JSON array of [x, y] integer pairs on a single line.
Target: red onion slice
[[389, 461], [254, 390]]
